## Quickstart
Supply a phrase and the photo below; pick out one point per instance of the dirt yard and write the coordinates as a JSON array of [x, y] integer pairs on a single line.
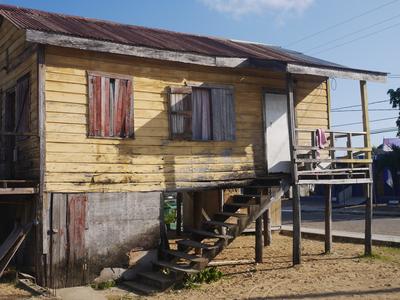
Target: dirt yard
[[341, 275]]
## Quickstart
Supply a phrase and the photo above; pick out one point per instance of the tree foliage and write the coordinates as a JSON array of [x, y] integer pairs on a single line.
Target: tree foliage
[[395, 102]]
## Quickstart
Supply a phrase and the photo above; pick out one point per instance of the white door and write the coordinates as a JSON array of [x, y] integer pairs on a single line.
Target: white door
[[276, 128]]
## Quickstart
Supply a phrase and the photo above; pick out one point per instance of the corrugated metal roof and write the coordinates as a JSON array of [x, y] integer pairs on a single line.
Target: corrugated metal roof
[[95, 29]]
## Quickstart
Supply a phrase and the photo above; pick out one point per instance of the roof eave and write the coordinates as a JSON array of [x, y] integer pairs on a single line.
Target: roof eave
[[68, 41], [337, 72]]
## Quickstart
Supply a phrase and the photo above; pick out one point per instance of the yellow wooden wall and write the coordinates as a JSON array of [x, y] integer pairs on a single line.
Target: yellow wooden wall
[[13, 39], [75, 163]]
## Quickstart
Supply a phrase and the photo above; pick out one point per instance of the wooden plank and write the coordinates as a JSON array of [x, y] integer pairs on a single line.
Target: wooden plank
[[296, 225], [267, 228], [76, 227], [368, 220], [18, 191], [365, 117], [328, 219], [259, 241]]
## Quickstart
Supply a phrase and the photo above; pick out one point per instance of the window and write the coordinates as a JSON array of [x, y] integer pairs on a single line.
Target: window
[[202, 113], [22, 106], [110, 106]]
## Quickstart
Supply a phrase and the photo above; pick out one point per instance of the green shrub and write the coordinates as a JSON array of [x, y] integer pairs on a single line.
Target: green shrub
[[103, 285], [208, 275]]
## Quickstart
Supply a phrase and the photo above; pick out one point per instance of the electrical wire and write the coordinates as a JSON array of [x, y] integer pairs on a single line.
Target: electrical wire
[[353, 33], [357, 105], [382, 130], [373, 109], [341, 23], [371, 121], [357, 39]]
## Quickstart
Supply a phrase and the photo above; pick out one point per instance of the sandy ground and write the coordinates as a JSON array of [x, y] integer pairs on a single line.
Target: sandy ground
[[341, 275]]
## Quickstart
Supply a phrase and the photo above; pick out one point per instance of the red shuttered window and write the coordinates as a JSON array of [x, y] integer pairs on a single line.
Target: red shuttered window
[[110, 106]]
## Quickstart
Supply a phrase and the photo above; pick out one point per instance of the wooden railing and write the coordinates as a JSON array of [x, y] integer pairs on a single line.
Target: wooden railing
[[341, 157]]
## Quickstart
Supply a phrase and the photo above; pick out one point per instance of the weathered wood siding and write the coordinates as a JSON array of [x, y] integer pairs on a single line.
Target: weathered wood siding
[[311, 95], [18, 58], [151, 161]]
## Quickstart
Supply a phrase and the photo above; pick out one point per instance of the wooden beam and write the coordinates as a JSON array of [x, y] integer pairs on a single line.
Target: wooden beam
[[292, 125], [259, 240], [267, 228], [368, 220], [296, 225], [18, 191], [336, 181], [61, 40], [328, 219], [365, 117], [337, 72]]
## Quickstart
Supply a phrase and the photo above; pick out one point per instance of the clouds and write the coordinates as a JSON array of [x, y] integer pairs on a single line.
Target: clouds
[[238, 8]]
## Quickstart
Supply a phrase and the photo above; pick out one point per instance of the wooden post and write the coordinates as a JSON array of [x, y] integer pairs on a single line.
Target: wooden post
[[197, 210], [328, 219], [267, 228], [259, 240], [368, 221], [179, 214], [364, 104], [296, 226]]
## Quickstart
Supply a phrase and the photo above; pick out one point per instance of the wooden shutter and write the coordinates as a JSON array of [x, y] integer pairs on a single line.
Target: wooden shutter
[[22, 95], [180, 109], [223, 114], [110, 107]]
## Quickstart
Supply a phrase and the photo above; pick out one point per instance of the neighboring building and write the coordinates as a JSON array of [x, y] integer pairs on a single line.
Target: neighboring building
[[99, 119]]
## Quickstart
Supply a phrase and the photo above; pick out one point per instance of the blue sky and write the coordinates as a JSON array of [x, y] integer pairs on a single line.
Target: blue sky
[[278, 22]]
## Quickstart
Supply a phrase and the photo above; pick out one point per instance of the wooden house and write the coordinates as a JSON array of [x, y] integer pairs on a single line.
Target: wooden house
[[99, 119]]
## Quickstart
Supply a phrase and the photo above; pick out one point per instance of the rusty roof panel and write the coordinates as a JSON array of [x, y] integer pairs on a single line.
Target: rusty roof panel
[[109, 31]]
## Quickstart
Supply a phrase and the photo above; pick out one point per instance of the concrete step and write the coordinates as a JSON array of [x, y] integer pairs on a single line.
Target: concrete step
[[175, 267], [156, 279], [141, 288]]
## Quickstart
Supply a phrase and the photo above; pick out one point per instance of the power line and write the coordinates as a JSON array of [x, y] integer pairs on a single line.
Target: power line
[[357, 39], [373, 109], [353, 33], [382, 130], [341, 23], [371, 121], [357, 105]]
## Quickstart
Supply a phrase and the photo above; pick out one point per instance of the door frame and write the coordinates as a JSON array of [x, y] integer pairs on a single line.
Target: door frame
[[267, 90]]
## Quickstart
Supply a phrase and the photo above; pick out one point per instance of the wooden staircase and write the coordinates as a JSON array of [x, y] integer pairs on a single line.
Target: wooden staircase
[[193, 254]]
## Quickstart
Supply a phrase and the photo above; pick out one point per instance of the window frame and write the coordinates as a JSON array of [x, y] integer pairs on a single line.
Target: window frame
[[131, 100], [209, 87]]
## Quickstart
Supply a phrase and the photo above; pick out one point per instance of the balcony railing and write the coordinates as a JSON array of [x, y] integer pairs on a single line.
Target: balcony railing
[[345, 158]]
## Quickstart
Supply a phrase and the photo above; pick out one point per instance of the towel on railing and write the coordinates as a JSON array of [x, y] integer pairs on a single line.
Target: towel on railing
[[321, 140]]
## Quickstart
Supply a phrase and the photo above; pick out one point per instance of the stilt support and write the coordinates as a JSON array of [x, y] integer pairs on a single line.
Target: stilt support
[[296, 226], [368, 221], [259, 240], [328, 219], [267, 228]]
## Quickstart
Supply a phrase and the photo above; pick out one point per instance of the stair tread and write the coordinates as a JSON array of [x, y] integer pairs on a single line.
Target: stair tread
[[241, 204], [210, 234], [194, 244], [217, 223], [229, 214], [172, 266], [185, 255], [247, 196], [157, 276], [141, 287], [260, 186]]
